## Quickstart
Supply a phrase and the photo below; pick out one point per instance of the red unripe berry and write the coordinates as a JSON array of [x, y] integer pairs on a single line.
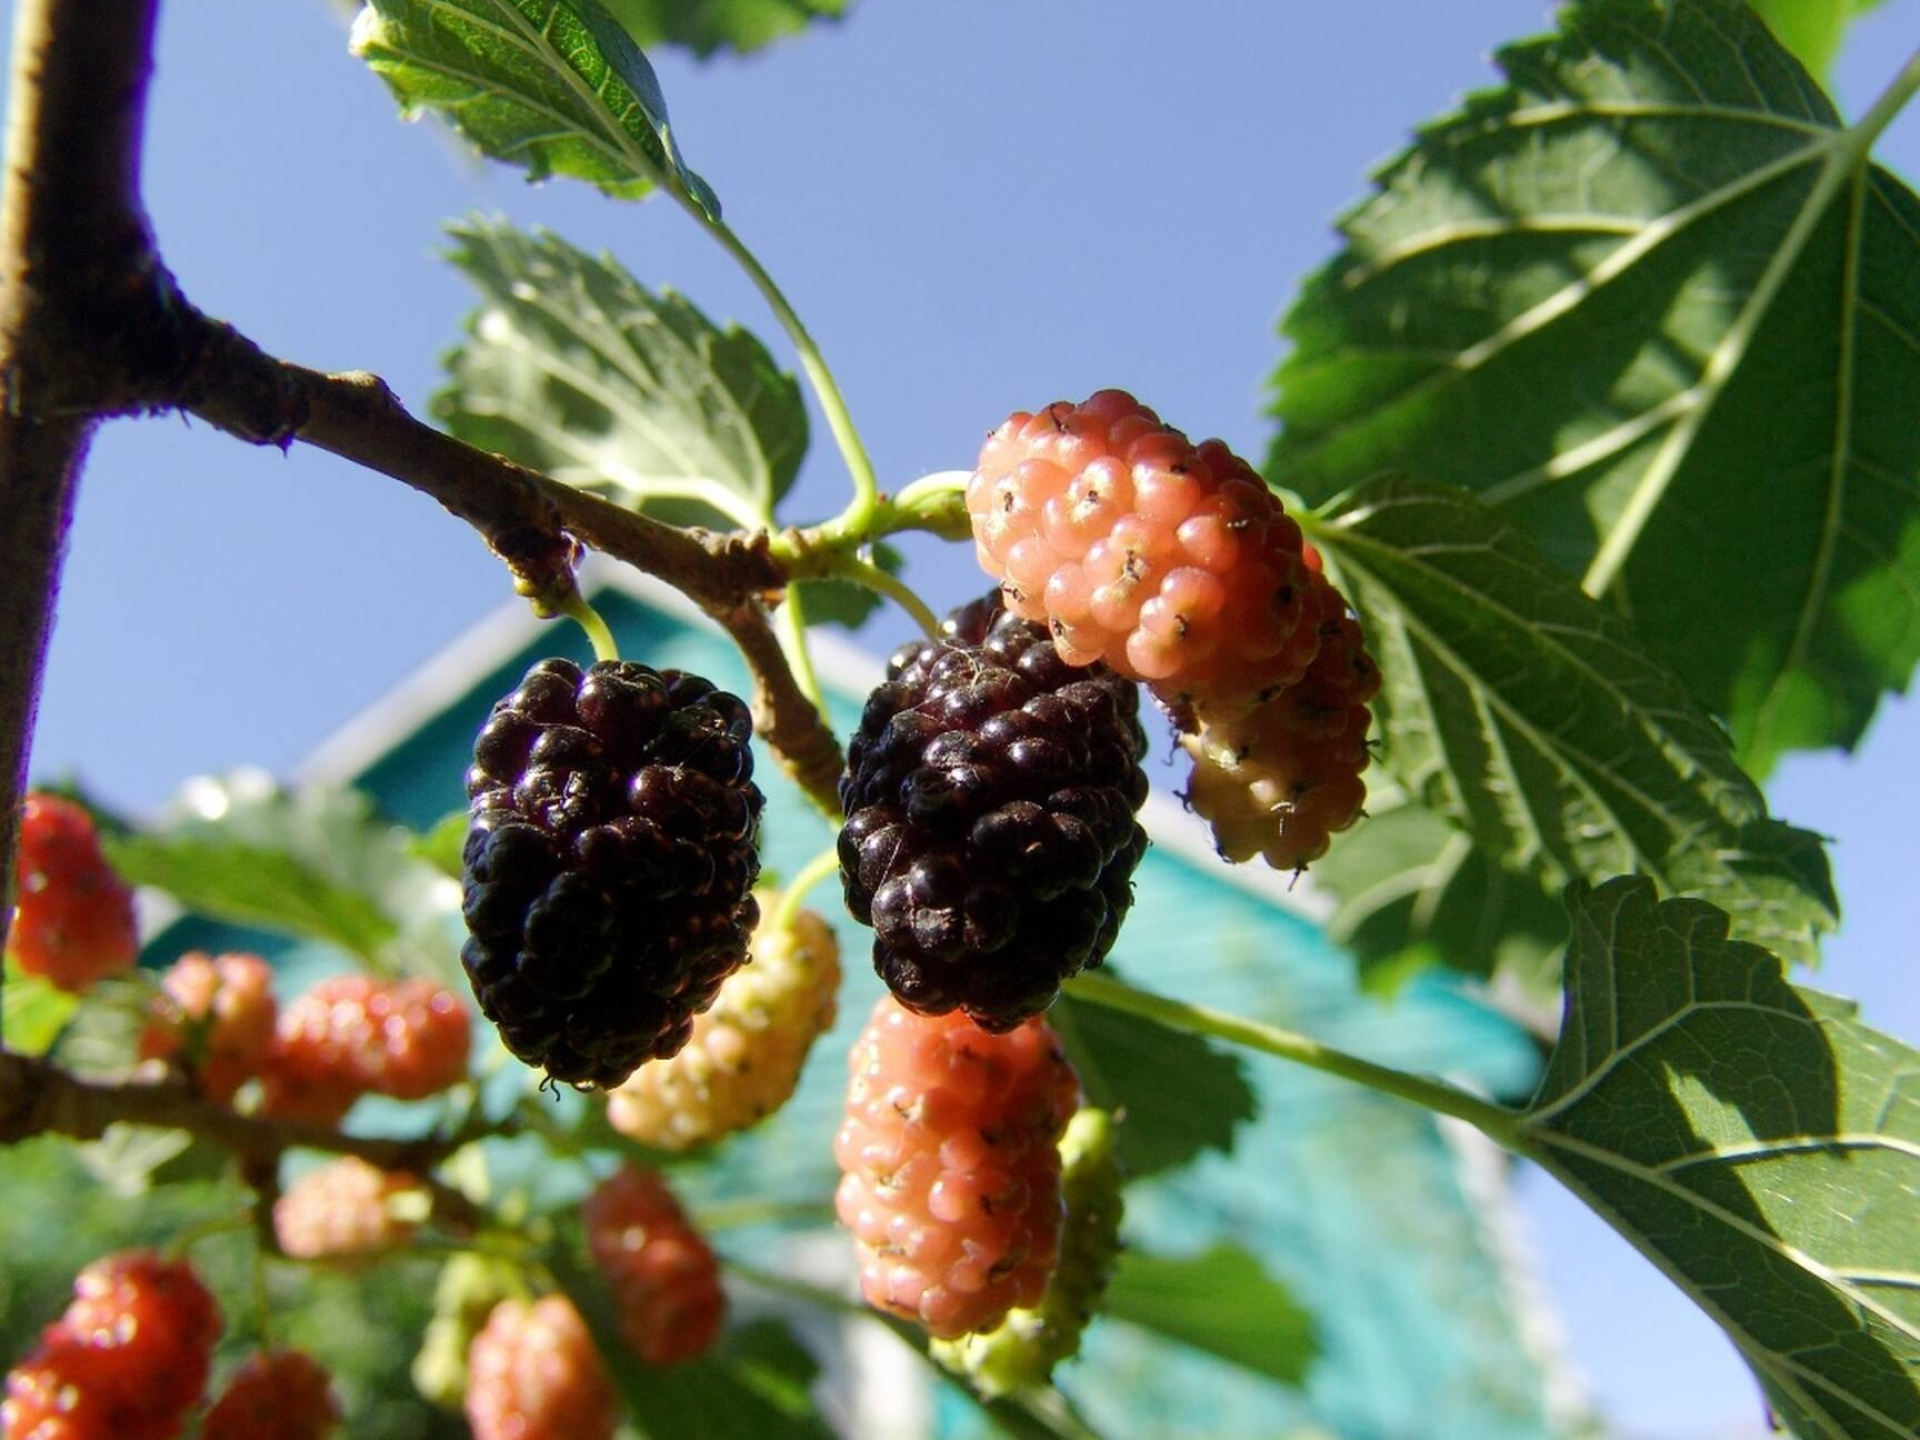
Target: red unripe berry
[[353, 1034], [216, 1014], [274, 1395], [126, 1361], [664, 1277], [73, 922]]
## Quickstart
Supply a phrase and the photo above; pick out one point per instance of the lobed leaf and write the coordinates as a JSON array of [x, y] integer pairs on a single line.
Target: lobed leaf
[[556, 86], [1755, 1140], [1651, 300], [1221, 1301], [1811, 29], [574, 367], [1532, 718]]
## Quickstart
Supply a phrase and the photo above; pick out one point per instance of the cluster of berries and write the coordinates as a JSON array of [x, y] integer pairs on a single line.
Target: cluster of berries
[[215, 1018], [1177, 566], [533, 1372], [73, 922], [130, 1358], [990, 841]]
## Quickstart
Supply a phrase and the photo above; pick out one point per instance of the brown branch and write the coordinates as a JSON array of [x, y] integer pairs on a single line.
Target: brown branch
[[73, 243], [520, 512], [231, 383], [37, 1097], [784, 717]]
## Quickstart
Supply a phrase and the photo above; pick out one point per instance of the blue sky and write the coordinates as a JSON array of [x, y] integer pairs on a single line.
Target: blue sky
[[976, 207]]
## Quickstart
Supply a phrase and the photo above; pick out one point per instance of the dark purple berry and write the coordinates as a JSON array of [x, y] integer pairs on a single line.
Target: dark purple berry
[[610, 862], [990, 838]]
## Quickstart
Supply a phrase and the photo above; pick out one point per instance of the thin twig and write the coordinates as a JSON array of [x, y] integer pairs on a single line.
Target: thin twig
[[37, 1097]]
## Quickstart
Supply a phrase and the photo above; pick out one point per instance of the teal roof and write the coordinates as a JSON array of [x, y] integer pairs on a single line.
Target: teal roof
[[1359, 1203]]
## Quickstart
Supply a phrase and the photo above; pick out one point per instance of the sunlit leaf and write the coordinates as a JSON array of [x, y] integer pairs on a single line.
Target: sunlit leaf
[[1175, 1095], [1533, 719], [705, 26], [557, 86], [1756, 1140], [1223, 1302], [575, 368], [1652, 301]]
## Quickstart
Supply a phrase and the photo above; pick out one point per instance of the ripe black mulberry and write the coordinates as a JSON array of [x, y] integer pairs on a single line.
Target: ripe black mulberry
[[610, 863], [990, 837]]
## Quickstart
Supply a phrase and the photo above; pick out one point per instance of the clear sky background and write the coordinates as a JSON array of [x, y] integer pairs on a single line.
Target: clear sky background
[[977, 206]]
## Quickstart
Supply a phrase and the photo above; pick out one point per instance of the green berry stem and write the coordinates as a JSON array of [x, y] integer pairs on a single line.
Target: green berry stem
[[793, 638], [588, 619], [895, 589], [794, 892], [866, 488], [752, 1210], [181, 1244], [262, 1296], [1496, 1122]]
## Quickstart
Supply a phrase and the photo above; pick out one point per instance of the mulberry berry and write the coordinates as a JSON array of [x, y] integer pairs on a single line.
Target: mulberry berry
[[65, 1389], [1281, 781], [342, 1209], [274, 1395], [127, 1360], [215, 1016], [990, 836], [73, 923], [352, 1035], [533, 1374], [950, 1176], [746, 1053], [1171, 562], [1023, 1351], [664, 1277], [609, 864]]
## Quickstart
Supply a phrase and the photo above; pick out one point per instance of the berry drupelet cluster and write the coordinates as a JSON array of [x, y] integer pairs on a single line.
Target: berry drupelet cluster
[[127, 1361], [1175, 564], [610, 863], [664, 1277], [990, 837], [73, 921], [950, 1167]]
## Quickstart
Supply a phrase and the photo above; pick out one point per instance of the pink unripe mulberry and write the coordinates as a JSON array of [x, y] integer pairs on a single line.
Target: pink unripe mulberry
[[950, 1176]]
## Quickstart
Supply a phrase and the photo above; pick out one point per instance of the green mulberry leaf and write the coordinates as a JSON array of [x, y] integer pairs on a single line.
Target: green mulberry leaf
[[556, 86], [1652, 301], [575, 368], [1532, 718], [1756, 1141]]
